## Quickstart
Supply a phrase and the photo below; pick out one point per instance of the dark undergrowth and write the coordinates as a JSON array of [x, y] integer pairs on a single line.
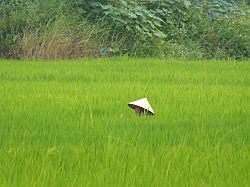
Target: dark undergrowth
[[63, 29]]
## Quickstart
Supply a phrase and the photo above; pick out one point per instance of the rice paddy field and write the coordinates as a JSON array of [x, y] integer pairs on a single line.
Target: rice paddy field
[[67, 123]]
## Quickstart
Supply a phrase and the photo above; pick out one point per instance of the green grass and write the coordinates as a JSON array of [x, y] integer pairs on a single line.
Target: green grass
[[67, 123]]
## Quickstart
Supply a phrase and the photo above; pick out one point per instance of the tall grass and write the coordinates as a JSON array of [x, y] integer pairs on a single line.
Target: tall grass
[[60, 39], [67, 123]]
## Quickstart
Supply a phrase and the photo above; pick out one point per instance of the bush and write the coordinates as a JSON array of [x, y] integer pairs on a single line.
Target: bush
[[156, 28], [16, 16], [226, 38], [61, 39]]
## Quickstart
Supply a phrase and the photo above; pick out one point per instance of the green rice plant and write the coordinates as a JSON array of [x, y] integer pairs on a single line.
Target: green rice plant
[[67, 123]]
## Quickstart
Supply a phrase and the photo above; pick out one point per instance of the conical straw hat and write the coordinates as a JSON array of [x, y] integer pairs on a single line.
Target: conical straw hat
[[142, 103]]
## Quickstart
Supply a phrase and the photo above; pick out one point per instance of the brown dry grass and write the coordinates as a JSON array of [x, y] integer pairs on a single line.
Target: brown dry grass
[[55, 46], [59, 40]]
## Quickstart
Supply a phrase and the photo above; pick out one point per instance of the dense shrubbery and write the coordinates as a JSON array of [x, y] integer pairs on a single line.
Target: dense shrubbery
[[160, 28]]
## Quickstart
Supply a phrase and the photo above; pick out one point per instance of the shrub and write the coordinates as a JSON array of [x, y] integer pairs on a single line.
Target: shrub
[[16, 16], [226, 38], [61, 39], [157, 28]]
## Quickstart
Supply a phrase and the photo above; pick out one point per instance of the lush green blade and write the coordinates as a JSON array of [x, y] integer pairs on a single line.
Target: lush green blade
[[68, 123]]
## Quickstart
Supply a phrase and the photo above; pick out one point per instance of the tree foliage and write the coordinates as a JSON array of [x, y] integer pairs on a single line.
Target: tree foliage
[[136, 25]]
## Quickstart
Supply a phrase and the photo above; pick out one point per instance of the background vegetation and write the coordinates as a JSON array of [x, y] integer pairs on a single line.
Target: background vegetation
[[185, 29], [67, 123]]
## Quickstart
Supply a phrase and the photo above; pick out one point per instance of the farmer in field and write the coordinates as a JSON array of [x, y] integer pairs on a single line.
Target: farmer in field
[[142, 107]]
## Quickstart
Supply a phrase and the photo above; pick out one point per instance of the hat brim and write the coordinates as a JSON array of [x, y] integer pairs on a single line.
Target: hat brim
[[146, 110]]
